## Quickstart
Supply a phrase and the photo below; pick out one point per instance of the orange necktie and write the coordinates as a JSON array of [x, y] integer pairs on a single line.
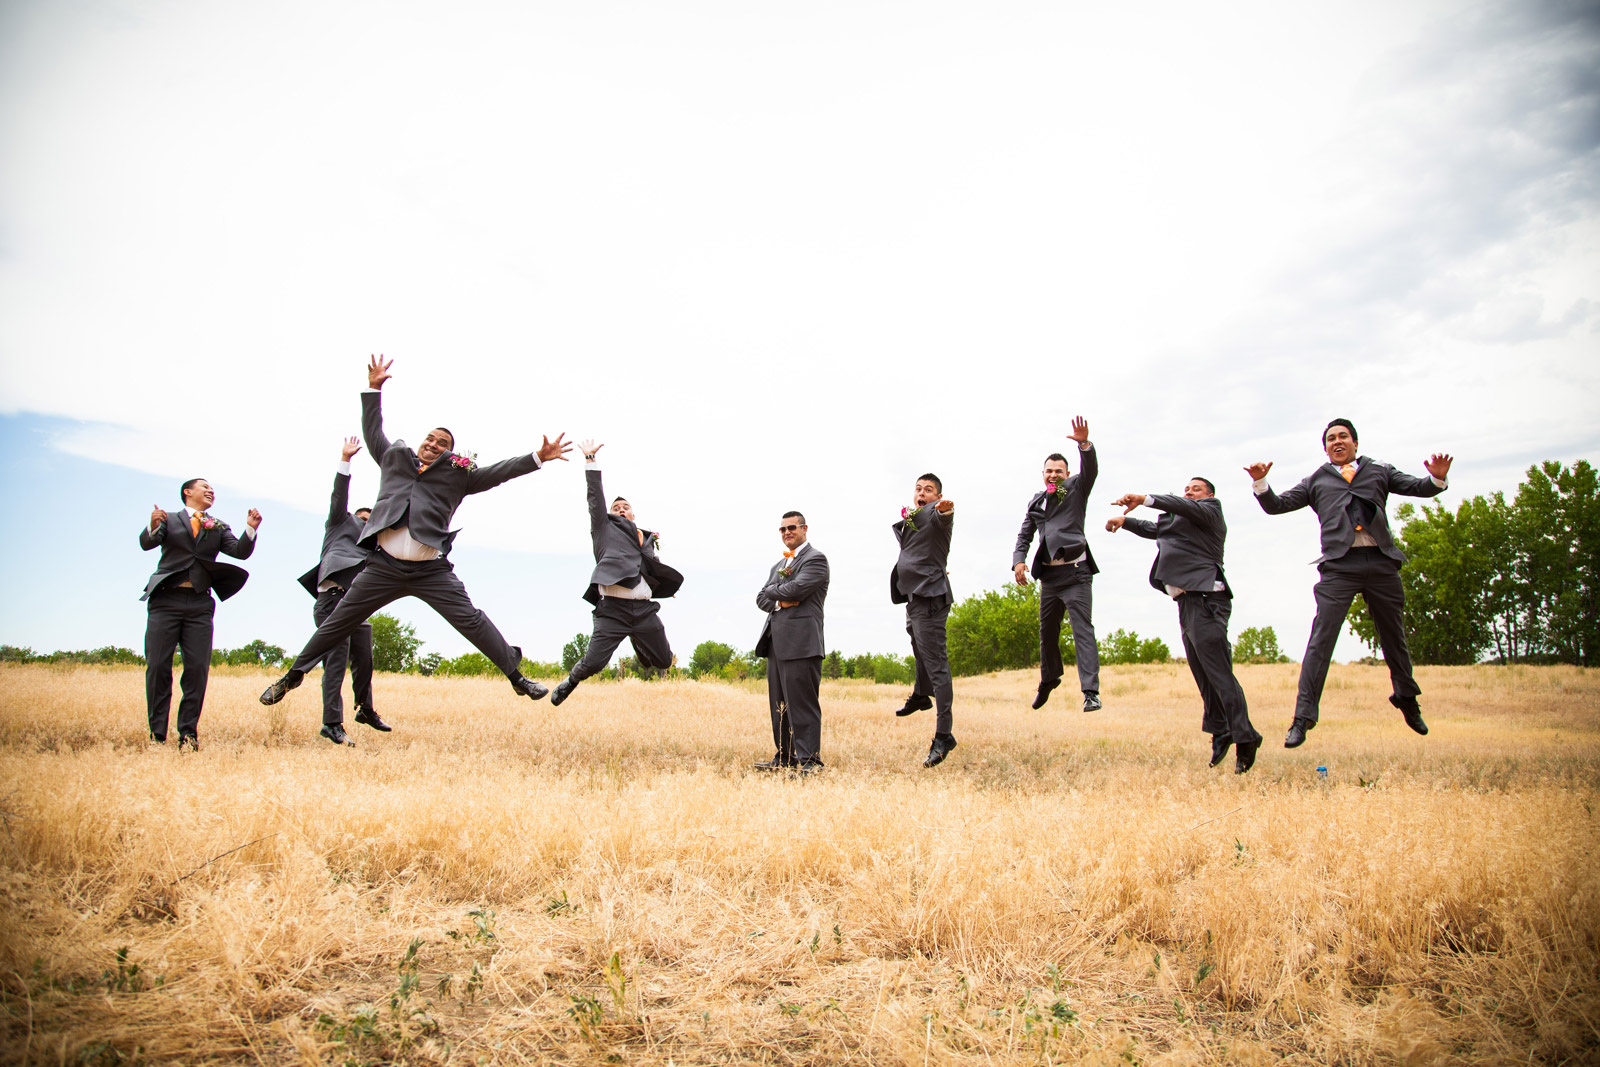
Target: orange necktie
[[422, 466], [194, 525], [1349, 472]]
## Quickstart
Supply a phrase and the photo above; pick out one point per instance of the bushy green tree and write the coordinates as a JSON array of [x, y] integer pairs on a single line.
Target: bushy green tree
[[573, 651], [889, 669], [710, 657], [466, 665], [394, 644], [256, 654], [1257, 644], [999, 630], [833, 665], [1125, 646]]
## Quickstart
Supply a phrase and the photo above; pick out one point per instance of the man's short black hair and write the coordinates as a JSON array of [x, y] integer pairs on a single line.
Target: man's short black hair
[[188, 485], [1347, 424], [360, 510], [449, 431], [1058, 456], [795, 515], [1210, 488], [938, 486], [617, 498]]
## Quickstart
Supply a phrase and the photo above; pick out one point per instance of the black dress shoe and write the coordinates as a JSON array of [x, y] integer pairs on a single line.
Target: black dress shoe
[[367, 717], [564, 689], [942, 744], [529, 688], [334, 732], [1411, 713], [915, 703], [1219, 747], [776, 763], [808, 767], [1297, 733], [1091, 702], [280, 689], [188, 741], [1246, 756], [1044, 693]]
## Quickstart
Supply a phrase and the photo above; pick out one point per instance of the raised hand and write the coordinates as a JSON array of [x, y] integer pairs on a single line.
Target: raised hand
[[1439, 466], [350, 447], [378, 372], [1115, 524], [1128, 501], [788, 603], [1080, 429], [945, 507], [590, 449], [157, 516], [253, 520], [1258, 471], [1019, 571], [556, 449]]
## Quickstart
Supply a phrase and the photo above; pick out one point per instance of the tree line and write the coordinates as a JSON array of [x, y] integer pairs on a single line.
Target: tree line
[[1511, 582]]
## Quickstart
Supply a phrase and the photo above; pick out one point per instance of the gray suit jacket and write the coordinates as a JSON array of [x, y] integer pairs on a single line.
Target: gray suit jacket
[[1337, 503], [1189, 540], [794, 633], [619, 557], [1059, 522], [194, 558], [342, 554], [924, 556], [424, 502]]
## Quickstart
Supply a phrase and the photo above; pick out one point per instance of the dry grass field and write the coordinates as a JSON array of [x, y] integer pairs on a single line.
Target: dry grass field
[[606, 882]]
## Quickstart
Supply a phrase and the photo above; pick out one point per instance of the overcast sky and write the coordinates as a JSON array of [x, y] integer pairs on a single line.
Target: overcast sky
[[777, 256]]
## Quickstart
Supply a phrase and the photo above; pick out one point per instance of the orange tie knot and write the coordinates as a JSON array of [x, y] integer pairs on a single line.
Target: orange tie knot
[[1349, 472]]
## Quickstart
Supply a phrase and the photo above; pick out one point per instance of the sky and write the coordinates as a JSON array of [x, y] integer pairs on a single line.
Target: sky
[[775, 257]]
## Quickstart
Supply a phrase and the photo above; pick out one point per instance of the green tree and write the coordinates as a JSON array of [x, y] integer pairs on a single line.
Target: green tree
[[833, 665], [431, 663], [1257, 644], [470, 664], [394, 644], [858, 667], [710, 657], [999, 630], [573, 651], [256, 654], [1124, 646], [1559, 517], [889, 669]]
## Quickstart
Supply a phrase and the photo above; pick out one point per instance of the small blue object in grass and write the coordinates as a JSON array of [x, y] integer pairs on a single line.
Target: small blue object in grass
[[1322, 772]]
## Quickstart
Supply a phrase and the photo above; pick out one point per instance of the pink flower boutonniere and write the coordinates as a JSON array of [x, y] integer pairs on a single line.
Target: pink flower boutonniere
[[1056, 489], [467, 462], [208, 523], [909, 517]]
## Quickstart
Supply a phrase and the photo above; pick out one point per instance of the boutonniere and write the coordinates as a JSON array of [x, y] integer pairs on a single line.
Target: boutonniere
[[1056, 489], [208, 523], [655, 540], [467, 462], [909, 517]]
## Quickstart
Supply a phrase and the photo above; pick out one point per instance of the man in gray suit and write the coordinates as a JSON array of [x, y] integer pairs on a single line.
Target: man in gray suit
[[1350, 495], [791, 640], [921, 582], [409, 537], [342, 559], [180, 604], [1064, 566], [1189, 537], [627, 575]]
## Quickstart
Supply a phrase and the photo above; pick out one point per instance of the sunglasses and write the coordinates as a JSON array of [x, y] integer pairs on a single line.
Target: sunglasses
[[790, 529]]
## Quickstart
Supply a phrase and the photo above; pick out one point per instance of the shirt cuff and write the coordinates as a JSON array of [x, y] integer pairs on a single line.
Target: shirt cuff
[[1087, 446], [370, 390], [344, 467], [1437, 482], [250, 532], [591, 464], [1149, 500], [1259, 486]]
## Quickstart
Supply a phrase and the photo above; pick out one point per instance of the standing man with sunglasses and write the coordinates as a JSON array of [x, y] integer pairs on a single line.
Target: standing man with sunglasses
[[627, 577], [791, 640]]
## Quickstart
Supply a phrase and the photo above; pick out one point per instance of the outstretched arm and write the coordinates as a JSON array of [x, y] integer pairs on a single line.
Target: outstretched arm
[[1438, 480], [372, 408], [1196, 511], [1143, 527], [1088, 460], [1292, 500], [495, 473], [339, 502], [597, 492]]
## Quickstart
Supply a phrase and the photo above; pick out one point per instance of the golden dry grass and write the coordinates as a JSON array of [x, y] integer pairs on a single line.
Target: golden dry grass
[[503, 882]]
